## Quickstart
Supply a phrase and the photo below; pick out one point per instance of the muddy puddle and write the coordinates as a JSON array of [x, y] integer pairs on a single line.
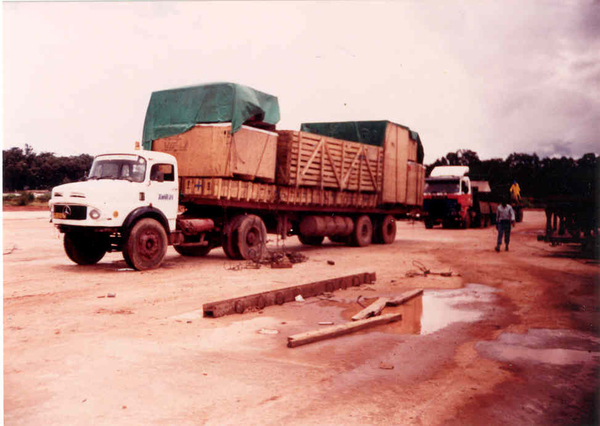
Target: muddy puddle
[[430, 312]]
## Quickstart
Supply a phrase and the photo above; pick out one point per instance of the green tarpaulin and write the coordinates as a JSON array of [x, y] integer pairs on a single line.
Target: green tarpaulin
[[367, 132], [174, 111]]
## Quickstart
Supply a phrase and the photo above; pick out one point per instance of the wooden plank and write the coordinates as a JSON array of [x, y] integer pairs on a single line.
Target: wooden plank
[[372, 310], [340, 330], [404, 297], [283, 295]]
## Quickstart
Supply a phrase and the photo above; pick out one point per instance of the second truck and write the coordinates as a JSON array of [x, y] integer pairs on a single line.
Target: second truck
[[214, 171], [452, 199]]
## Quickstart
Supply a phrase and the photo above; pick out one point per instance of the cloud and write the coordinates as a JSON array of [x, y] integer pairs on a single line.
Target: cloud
[[493, 77]]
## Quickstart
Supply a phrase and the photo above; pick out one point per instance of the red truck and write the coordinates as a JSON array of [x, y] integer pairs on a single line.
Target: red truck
[[452, 199]]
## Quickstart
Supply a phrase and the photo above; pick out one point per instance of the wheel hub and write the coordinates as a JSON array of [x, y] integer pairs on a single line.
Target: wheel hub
[[149, 245]]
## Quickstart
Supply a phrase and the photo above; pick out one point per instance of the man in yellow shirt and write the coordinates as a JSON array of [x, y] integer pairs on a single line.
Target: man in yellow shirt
[[515, 191]]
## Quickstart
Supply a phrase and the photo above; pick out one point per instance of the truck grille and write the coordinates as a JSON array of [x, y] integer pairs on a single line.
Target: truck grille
[[70, 212], [440, 208]]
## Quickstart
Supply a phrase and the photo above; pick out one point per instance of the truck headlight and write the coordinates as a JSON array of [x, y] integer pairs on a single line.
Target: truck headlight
[[95, 214]]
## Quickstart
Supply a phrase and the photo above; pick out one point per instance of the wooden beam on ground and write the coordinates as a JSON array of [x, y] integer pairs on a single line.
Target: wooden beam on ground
[[339, 330], [372, 310], [404, 297], [283, 295]]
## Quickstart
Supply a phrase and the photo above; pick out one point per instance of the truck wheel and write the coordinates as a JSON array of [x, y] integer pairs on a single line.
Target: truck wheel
[[251, 237], [466, 222], [229, 241], [363, 231], [385, 231], [310, 241], [428, 224], [85, 249], [194, 251], [146, 245]]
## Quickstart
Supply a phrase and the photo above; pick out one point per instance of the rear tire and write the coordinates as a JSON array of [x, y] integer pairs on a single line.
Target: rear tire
[[385, 232], [146, 245], [428, 224], [363, 231], [85, 249]]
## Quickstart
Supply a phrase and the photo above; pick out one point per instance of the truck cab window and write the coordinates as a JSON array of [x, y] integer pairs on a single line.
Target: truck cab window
[[464, 187], [162, 173]]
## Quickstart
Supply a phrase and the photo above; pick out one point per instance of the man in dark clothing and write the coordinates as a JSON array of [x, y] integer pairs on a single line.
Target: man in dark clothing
[[505, 218]]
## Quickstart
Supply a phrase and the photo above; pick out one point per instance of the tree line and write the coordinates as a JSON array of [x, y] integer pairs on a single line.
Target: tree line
[[539, 178], [24, 169]]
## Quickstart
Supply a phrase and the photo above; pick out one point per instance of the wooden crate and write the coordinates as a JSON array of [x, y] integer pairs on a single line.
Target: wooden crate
[[309, 160], [211, 150], [415, 183], [399, 150]]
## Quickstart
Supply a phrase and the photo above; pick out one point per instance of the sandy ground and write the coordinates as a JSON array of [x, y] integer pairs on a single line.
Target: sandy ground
[[512, 339]]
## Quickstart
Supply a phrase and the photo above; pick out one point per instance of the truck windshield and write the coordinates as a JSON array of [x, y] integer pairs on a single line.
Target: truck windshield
[[441, 187], [120, 167]]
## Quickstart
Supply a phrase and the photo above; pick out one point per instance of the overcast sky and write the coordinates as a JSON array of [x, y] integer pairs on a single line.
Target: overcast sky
[[495, 77]]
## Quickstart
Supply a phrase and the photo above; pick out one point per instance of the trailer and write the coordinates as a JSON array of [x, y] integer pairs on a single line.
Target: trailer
[[215, 171]]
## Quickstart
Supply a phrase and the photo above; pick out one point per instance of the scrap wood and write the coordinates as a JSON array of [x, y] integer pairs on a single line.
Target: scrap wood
[[372, 310], [424, 271], [404, 297], [340, 330]]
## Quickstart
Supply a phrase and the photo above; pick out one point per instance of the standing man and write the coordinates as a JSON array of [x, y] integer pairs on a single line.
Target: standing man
[[515, 191], [505, 218]]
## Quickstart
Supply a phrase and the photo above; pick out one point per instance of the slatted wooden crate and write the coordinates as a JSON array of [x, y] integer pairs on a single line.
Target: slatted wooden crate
[[210, 150], [306, 159]]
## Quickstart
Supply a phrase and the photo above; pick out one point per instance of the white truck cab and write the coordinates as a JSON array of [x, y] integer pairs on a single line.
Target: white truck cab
[[121, 191]]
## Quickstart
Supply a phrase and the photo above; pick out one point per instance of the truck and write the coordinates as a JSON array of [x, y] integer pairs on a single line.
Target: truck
[[452, 199], [212, 170]]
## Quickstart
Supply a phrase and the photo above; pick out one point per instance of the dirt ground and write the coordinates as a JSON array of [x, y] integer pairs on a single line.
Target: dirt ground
[[512, 339]]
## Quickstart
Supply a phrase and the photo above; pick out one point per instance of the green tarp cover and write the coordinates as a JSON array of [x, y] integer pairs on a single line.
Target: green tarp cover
[[174, 111], [367, 132]]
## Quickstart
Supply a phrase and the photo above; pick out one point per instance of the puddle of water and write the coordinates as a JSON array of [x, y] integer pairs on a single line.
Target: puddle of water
[[434, 310], [556, 347]]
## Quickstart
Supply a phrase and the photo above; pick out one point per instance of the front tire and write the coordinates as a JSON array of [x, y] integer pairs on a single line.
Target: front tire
[[146, 245], [85, 249], [251, 237]]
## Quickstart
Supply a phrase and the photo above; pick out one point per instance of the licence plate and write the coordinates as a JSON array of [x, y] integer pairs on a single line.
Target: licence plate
[[59, 215]]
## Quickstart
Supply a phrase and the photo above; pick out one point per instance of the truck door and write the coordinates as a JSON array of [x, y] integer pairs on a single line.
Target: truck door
[[163, 184]]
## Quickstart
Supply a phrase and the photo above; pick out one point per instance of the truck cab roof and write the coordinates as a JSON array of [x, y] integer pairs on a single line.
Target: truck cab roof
[[449, 171]]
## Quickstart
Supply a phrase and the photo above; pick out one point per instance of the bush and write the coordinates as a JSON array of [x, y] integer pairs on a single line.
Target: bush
[[25, 198], [44, 198]]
